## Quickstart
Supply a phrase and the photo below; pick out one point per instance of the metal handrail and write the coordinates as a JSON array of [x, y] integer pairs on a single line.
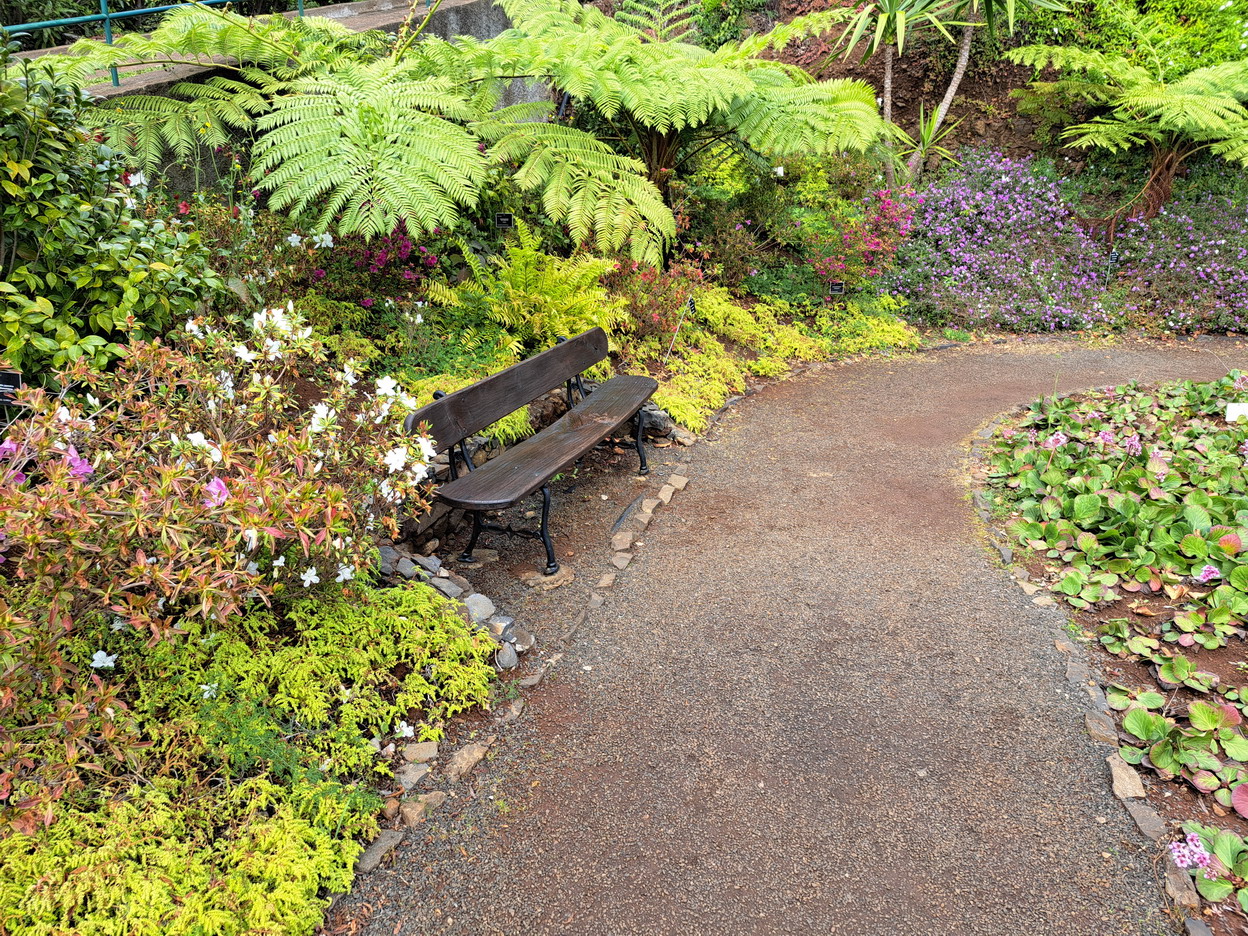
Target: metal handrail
[[106, 17]]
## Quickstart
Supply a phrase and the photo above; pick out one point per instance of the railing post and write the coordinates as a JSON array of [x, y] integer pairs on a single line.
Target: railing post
[[108, 38]]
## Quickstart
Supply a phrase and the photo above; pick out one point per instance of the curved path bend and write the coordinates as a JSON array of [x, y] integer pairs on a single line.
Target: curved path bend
[[812, 705]]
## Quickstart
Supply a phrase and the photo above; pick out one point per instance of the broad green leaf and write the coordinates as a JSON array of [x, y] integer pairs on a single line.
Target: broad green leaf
[[1197, 516], [1144, 725], [1214, 891], [1205, 717]]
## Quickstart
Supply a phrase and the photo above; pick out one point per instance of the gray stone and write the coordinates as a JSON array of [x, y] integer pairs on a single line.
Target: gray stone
[[679, 482], [1101, 727], [466, 758], [430, 564], [1197, 927], [606, 581], [682, 436], [666, 492], [447, 587], [521, 639], [1179, 887], [1007, 554], [391, 809], [505, 657], [621, 560], [418, 752], [411, 774], [596, 600], [622, 540], [1127, 783], [643, 519], [480, 608], [389, 559], [1149, 822], [530, 682], [382, 845], [649, 504], [406, 568], [511, 712], [457, 579]]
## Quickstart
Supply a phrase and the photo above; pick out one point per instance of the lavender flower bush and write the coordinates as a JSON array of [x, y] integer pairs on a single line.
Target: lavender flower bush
[[996, 245]]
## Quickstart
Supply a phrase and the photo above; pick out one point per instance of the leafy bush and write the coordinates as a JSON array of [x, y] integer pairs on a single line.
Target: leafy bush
[[858, 243], [80, 270], [864, 324], [994, 244], [177, 488], [1138, 491]]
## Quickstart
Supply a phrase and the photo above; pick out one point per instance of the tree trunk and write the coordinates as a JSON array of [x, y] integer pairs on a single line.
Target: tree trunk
[[1157, 192], [964, 56], [889, 171]]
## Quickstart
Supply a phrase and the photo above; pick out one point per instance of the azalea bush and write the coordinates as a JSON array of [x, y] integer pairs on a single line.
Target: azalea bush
[[996, 245], [859, 244], [187, 484]]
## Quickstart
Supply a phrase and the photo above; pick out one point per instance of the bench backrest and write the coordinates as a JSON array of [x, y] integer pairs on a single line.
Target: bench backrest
[[466, 412]]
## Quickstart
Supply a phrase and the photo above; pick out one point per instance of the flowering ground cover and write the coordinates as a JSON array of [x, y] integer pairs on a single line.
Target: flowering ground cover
[[1131, 503]]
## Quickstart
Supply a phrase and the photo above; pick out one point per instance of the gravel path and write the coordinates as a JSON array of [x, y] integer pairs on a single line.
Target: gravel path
[[812, 704]]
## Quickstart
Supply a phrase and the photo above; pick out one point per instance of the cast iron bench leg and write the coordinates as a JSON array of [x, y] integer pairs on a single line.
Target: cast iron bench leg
[[466, 556], [641, 445], [551, 565]]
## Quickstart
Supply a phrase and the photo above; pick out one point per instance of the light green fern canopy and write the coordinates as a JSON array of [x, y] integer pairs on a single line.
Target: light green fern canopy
[[366, 131]]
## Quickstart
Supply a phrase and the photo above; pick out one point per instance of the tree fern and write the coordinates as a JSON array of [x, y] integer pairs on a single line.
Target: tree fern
[[660, 20]]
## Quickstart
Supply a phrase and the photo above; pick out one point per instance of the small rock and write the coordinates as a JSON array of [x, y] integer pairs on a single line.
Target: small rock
[[406, 568], [1127, 783], [391, 809], [389, 559], [648, 505], [606, 581], [666, 492], [447, 587], [621, 560], [529, 682], [500, 628], [521, 639], [643, 519], [543, 582], [459, 580], [466, 758], [433, 800], [596, 600], [382, 845], [412, 813], [1179, 887], [1007, 554], [431, 547], [1044, 601], [411, 774], [1197, 927], [683, 436], [480, 608], [622, 540], [418, 752], [431, 564], [1100, 727], [505, 657], [1149, 822], [511, 712], [679, 482]]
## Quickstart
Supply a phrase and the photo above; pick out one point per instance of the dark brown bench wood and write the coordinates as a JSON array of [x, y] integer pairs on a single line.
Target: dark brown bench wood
[[528, 466]]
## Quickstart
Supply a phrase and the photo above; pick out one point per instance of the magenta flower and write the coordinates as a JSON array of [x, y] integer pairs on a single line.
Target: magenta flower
[[217, 493], [1105, 437], [8, 448], [1055, 441], [79, 467], [1132, 445], [1208, 573], [1191, 853]]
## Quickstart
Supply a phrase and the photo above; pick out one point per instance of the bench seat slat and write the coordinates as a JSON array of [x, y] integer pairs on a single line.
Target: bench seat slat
[[526, 466]]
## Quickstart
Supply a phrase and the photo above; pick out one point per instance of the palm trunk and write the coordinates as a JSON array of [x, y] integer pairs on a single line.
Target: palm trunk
[[964, 56], [889, 172]]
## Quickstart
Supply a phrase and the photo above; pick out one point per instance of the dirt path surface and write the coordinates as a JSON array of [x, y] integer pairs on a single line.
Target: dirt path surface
[[812, 704]]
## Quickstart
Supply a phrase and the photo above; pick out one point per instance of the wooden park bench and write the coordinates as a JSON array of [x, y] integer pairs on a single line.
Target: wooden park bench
[[528, 466]]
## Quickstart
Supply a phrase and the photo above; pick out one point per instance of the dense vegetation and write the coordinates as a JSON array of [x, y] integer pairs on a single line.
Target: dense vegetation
[[208, 453]]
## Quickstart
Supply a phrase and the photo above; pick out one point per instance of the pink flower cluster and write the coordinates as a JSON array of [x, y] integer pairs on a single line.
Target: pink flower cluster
[[1191, 853]]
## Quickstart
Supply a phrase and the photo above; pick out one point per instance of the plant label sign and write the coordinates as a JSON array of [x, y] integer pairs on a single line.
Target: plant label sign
[[1235, 410], [504, 220], [10, 383]]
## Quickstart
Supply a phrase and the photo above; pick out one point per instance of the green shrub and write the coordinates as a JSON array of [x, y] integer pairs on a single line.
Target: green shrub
[[80, 270]]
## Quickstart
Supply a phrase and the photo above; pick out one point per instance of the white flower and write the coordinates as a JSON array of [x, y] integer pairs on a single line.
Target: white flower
[[386, 386], [92, 401], [345, 573], [309, 577], [192, 328], [102, 660], [259, 319], [117, 624], [62, 414], [243, 353], [396, 458], [322, 240], [137, 180], [129, 202], [294, 239], [426, 448], [251, 538], [779, 171], [279, 562], [404, 730], [198, 439], [253, 568], [273, 349], [348, 376], [209, 690], [322, 418]]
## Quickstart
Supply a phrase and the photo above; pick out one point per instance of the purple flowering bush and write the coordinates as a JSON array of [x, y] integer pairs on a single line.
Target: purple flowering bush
[[1187, 269], [995, 245]]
